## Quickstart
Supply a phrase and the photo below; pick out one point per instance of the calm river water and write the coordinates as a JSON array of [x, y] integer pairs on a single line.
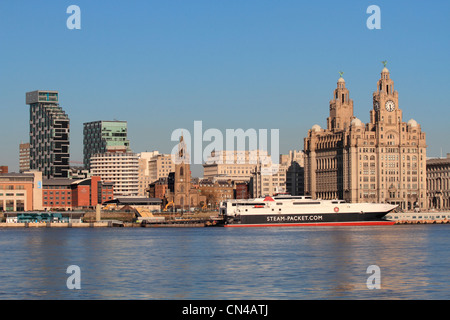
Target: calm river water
[[226, 263]]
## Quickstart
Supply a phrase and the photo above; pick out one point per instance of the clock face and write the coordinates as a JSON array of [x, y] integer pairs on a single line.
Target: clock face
[[390, 106], [376, 106]]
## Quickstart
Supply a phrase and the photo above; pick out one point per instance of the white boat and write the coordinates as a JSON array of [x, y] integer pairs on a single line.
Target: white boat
[[287, 210]]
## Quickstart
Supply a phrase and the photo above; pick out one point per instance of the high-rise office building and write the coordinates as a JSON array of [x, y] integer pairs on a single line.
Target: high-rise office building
[[49, 134], [104, 136]]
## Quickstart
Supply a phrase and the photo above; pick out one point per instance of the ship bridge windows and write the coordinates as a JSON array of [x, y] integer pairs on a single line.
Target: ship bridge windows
[[309, 202], [234, 204]]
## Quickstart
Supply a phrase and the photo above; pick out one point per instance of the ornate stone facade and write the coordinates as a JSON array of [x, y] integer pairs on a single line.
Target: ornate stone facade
[[381, 161], [438, 183]]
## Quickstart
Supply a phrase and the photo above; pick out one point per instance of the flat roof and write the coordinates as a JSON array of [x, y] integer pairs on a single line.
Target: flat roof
[[438, 161], [16, 174], [57, 182], [16, 177]]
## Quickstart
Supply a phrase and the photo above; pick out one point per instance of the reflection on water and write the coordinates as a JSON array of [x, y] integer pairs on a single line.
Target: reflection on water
[[222, 263]]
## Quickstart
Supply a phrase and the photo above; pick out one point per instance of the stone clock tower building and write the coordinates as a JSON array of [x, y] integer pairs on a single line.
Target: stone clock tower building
[[380, 161]]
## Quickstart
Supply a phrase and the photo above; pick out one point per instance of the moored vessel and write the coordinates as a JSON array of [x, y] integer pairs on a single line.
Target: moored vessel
[[287, 210]]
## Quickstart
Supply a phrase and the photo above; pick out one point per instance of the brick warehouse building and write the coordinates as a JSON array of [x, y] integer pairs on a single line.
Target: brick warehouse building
[[67, 194]]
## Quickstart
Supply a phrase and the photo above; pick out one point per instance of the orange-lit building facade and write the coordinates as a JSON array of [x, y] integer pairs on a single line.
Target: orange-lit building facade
[[16, 192], [380, 161]]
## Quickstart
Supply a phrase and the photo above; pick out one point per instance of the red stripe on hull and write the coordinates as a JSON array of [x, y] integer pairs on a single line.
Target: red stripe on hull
[[323, 224]]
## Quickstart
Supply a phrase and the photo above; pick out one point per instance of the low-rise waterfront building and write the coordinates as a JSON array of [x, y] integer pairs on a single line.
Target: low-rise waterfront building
[[242, 190], [105, 191], [438, 183], [216, 192], [57, 194], [158, 188], [68, 194], [137, 203], [21, 191]]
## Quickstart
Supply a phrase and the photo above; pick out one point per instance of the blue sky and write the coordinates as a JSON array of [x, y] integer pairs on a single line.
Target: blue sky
[[161, 65]]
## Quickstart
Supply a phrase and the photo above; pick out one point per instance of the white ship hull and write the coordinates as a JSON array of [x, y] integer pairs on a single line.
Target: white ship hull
[[302, 211]]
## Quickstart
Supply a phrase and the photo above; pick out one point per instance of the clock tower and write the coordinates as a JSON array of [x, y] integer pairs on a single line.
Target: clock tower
[[385, 102], [383, 161], [341, 108]]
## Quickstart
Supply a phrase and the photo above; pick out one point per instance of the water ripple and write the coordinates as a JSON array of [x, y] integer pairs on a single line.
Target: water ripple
[[203, 263]]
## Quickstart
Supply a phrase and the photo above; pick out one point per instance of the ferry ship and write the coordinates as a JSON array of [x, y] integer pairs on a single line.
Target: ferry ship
[[286, 210]]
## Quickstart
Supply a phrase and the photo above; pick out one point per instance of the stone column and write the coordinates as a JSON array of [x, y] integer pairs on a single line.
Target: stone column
[[98, 213]]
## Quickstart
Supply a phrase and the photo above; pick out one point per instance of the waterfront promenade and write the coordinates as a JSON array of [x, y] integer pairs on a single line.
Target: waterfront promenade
[[66, 224], [183, 223], [112, 219], [109, 220], [107, 224]]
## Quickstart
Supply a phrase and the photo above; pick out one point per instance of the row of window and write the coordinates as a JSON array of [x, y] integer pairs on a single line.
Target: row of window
[[51, 203], [235, 171], [8, 205], [65, 203], [405, 186], [12, 187], [56, 192], [57, 198]]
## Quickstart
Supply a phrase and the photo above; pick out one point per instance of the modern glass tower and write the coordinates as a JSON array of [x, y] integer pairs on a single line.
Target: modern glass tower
[[49, 134], [104, 136]]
